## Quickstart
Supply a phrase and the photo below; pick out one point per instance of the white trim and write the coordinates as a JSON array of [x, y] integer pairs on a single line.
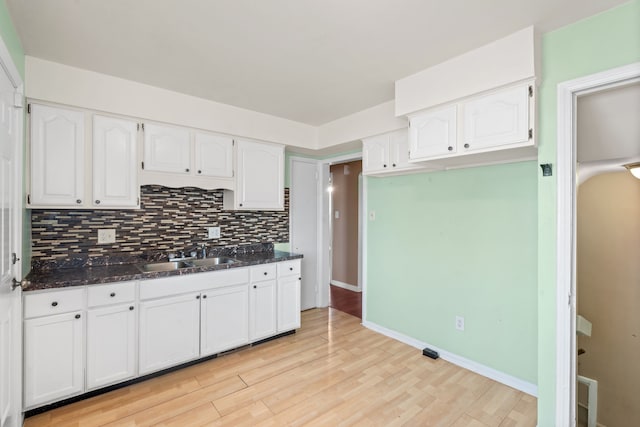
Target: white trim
[[485, 371], [363, 238], [565, 243], [7, 64], [344, 285]]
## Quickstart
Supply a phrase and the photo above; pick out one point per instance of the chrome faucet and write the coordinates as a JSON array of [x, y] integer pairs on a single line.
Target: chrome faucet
[[203, 248]]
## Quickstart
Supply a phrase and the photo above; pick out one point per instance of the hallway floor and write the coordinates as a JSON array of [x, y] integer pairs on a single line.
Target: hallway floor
[[347, 301]]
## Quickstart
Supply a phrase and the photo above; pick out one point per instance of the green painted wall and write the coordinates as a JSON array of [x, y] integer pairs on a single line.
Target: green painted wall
[[460, 242], [12, 41], [601, 42], [10, 38]]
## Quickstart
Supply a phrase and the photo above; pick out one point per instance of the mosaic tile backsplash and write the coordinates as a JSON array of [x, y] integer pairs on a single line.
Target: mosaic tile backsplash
[[170, 219]]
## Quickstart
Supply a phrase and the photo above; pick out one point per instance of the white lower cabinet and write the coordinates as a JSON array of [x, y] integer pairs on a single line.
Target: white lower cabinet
[[262, 310], [169, 332], [53, 352], [289, 283], [224, 319], [111, 345]]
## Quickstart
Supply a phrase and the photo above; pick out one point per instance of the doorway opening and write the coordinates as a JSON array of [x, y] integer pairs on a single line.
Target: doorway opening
[[571, 173], [346, 231]]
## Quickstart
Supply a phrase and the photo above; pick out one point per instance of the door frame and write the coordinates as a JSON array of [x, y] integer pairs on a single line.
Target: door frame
[[10, 69], [315, 162], [325, 227], [567, 93]]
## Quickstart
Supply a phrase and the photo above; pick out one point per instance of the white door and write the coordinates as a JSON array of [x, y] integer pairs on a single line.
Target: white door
[[224, 319], [166, 149], [213, 155], [115, 172], [54, 365], [57, 156], [262, 310], [10, 233], [433, 133], [399, 150], [375, 154], [260, 176], [111, 345], [303, 212], [169, 332]]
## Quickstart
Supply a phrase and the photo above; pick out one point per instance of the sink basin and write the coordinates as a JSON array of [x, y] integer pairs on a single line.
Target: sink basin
[[164, 266], [205, 262]]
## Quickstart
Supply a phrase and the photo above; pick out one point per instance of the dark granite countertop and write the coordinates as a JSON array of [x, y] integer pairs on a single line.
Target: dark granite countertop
[[90, 275]]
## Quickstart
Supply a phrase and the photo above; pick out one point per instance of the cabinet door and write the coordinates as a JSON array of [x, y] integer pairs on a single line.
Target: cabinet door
[[497, 119], [260, 183], [53, 351], [213, 155], [111, 345], [375, 154], [262, 310], [399, 151], [57, 156], [288, 303], [433, 133], [115, 173], [224, 319], [169, 332], [166, 149]]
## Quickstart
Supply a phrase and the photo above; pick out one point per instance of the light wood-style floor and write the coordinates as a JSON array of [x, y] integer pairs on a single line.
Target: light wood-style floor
[[333, 372]]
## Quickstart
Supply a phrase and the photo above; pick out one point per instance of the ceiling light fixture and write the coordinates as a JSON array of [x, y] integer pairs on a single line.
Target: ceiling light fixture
[[634, 168]]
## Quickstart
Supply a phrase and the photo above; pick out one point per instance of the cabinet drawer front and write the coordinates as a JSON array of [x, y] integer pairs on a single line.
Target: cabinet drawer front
[[114, 293], [54, 302], [289, 268], [263, 272]]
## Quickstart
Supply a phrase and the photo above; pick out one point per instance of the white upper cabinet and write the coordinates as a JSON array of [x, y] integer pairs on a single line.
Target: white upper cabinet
[[497, 119], [57, 156], [433, 133], [167, 149], [375, 154], [213, 155], [260, 177], [115, 177], [387, 154], [495, 127]]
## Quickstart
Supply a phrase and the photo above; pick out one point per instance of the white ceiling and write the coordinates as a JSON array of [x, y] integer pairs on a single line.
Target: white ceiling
[[311, 61], [608, 124]]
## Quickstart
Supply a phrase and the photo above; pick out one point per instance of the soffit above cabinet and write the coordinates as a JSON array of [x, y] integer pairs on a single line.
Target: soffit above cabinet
[[503, 62]]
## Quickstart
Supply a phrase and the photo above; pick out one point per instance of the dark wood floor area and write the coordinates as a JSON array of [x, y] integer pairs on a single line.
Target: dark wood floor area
[[346, 301]]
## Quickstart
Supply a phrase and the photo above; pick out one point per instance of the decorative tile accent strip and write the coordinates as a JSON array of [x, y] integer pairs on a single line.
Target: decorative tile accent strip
[[170, 219]]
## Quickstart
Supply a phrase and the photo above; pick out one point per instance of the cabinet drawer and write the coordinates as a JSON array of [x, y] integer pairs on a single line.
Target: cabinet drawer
[[112, 293], [263, 272], [289, 268], [53, 302]]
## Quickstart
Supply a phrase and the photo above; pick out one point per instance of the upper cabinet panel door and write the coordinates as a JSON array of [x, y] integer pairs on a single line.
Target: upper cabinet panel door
[[497, 119], [57, 156], [433, 133], [214, 155], [115, 170], [399, 149], [375, 154], [167, 149], [260, 183]]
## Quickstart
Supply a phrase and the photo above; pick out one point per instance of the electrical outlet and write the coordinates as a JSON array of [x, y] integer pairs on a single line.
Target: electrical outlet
[[214, 232], [460, 323], [106, 235]]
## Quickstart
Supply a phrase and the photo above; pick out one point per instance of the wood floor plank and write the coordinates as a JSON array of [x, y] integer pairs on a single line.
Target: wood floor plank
[[333, 371]]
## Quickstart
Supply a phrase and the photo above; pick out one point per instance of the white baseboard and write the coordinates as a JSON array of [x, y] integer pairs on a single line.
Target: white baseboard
[[345, 286], [501, 377]]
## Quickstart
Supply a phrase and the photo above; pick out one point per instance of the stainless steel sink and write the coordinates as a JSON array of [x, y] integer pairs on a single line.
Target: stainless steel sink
[[164, 266], [205, 262]]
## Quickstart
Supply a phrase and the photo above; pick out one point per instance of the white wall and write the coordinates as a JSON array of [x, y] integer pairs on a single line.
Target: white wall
[[54, 82]]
